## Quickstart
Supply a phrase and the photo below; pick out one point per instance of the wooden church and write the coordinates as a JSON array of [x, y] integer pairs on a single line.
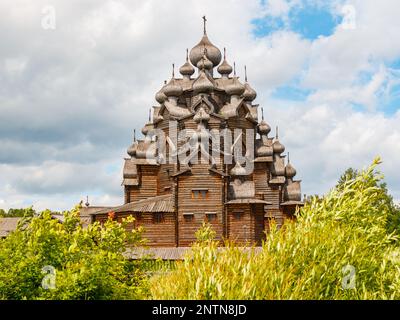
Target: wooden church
[[172, 199]]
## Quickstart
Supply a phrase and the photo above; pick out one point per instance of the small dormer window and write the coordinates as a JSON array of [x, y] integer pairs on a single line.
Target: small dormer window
[[211, 216], [188, 216], [199, 194]]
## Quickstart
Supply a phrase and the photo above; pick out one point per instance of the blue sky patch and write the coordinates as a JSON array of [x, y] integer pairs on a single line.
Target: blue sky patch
[[291, 92], [312, 22], [309, 21]]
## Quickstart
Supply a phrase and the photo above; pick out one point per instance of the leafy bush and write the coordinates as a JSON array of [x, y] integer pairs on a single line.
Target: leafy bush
[[88, 263], [353, 228]]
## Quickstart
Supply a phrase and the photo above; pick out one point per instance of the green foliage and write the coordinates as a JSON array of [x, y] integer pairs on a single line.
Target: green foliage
[[205, 233], [354, 225], [25, 212], [348, 175], [393, 216], [88, 262]]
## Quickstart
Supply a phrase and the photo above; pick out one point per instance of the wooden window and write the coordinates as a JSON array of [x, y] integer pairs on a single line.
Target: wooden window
[[199, 193], [237, 215], [211, 216], [158, 217], [188, 216]]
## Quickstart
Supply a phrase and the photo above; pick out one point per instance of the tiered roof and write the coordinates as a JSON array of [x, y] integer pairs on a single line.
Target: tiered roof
[[225, 97]]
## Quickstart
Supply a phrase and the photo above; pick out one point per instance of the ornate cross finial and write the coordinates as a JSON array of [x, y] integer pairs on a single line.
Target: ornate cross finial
[[245, 73], [224, 53], [187, 54], [204, 24], [173, 70], [134, 135], [288, 157], [277, 135], [262, 113], [234, 68], [87, 201]]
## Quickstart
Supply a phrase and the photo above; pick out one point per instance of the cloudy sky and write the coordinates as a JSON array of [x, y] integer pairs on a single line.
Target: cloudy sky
[[77, 76]]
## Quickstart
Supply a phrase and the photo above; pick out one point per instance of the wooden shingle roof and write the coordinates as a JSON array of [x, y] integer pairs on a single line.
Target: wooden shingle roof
[[162, 203], [8, 225], [171, 253]]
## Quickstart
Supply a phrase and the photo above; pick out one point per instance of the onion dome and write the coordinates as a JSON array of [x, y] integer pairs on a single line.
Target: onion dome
[[160, 95], [204, 63], [202, 84], [145, 130], [187, 69], [277, 146], [213, 53], [249, 93], [133, 147], [264, 128], [225, 69], [290, 171], [173, 89], [238, 170], [148, 126], [235, 88], [201, 116]]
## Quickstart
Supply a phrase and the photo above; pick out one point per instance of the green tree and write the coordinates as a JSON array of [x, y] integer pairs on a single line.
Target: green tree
[[85, 263], [23, 212], [393, 220]]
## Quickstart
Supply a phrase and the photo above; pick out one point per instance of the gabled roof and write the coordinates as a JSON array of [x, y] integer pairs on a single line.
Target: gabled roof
[[218, 172], [180, 172]]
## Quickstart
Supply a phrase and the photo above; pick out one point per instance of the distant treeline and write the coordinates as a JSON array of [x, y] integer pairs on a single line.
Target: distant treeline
[[23, 212]]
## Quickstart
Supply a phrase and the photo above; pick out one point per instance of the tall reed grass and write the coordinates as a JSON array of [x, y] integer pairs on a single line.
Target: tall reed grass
[[340, 247]]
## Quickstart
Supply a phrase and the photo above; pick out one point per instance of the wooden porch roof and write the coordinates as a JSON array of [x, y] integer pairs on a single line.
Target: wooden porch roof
[[162, 203]]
